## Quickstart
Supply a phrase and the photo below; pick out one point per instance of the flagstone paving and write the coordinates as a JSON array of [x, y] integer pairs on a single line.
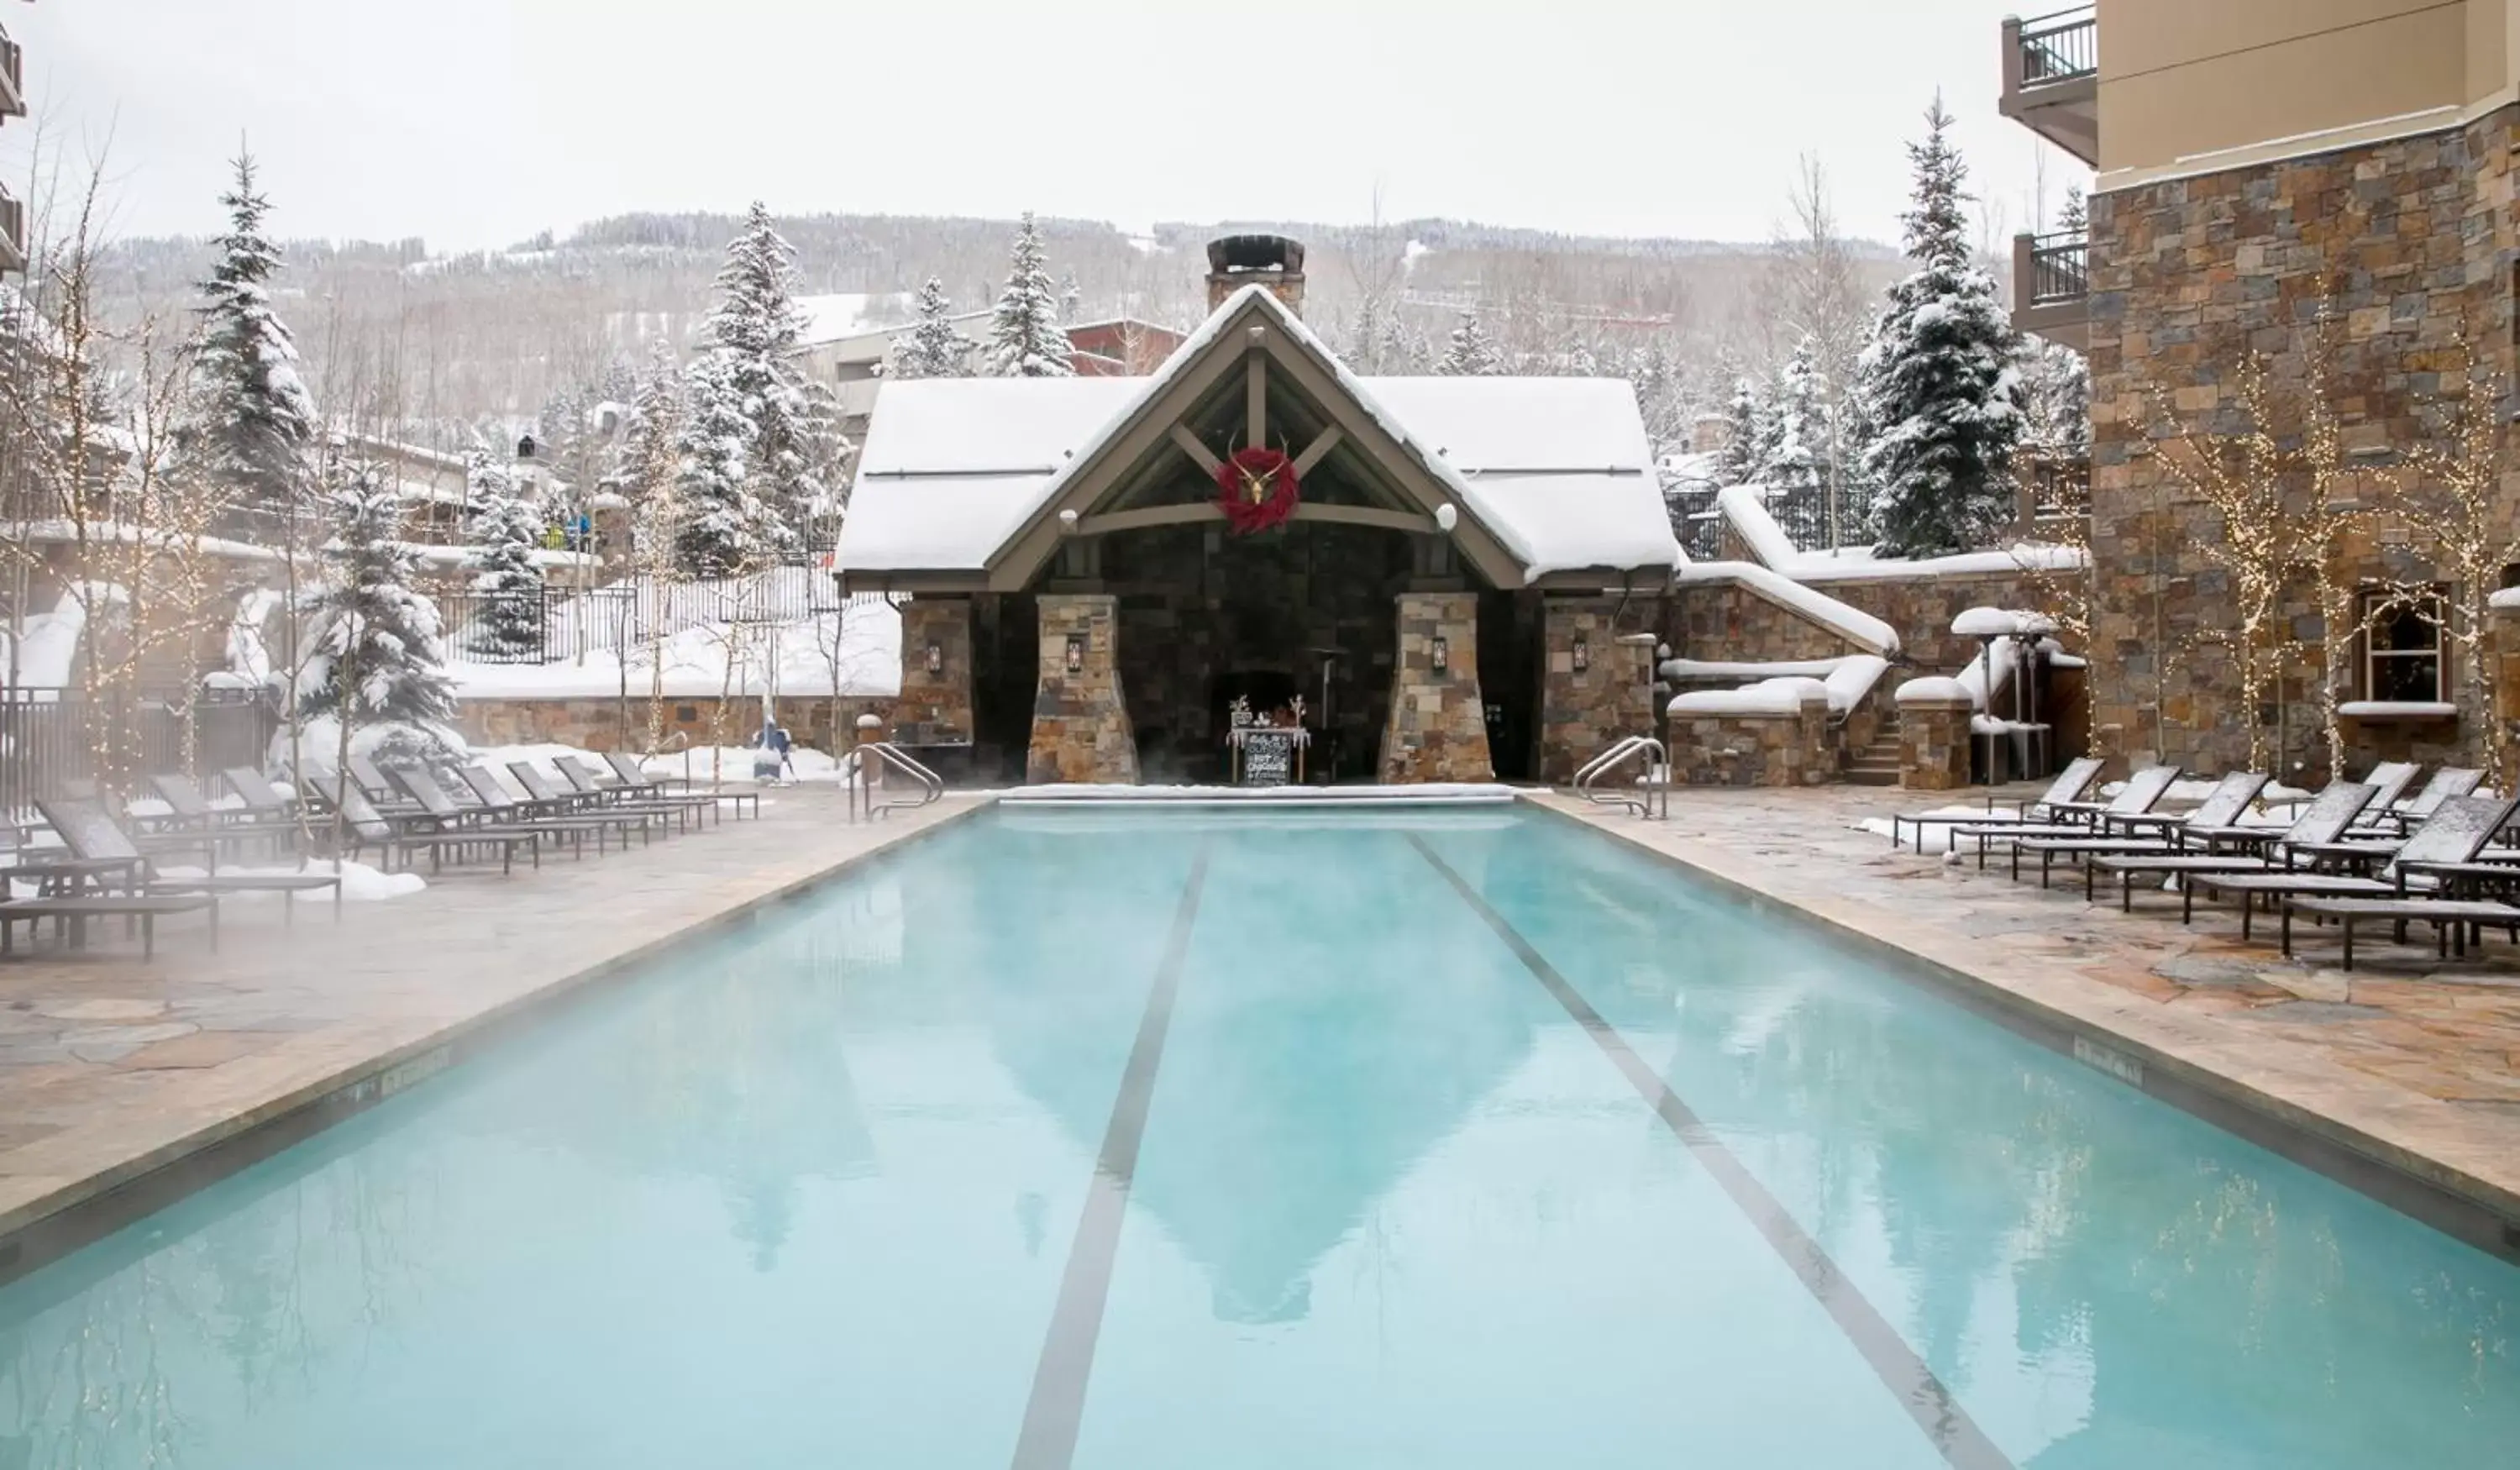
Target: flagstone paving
[[111, 1067], [2407, 1059]]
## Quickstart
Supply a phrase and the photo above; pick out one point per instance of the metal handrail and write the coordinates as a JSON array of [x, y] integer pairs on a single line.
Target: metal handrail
[[2060, 267], [861, 791], [2061, 46], [1655, 804]]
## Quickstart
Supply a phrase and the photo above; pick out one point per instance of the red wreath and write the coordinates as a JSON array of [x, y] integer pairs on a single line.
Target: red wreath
[[1256, 489]]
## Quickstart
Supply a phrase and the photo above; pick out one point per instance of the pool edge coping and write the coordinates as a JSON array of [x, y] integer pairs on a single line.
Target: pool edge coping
[[2359, 1154], [86, 1209]]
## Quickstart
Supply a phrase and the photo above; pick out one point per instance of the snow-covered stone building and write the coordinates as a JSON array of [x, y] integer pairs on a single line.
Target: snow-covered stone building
[[1435, 575]]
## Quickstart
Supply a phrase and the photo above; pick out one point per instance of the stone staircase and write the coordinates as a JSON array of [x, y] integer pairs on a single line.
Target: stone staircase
[[1876, 764]]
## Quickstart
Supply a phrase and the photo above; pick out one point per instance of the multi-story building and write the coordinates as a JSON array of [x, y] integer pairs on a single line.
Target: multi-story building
[[2326, 185], [12, 104]]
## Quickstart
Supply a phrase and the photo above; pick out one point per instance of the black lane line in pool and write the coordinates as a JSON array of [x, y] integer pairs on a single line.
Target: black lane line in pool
[[1927, 1401], [1052, 1416]]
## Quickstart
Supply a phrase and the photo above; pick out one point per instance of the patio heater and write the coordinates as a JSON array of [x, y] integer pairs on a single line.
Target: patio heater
[[1329, 659]]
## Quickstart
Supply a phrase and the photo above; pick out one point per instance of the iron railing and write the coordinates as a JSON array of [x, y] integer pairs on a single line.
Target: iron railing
[[12, 232], [13, 77], [51, 738], [2060, 46], [2060, 268]]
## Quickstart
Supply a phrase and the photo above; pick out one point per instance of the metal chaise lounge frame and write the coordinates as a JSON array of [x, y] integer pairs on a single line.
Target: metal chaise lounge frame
[[91, 834], [531, 778], [2453, 919], [2444, 783], [2457, 830], [499, 805], [589, 781], [2326, 818], [363, 827], [2142, 792], [2231, 797], [450, 816], [2078, 777]]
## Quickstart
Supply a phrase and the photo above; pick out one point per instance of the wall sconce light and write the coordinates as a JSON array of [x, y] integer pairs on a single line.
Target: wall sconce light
[[935, 659], [1443, 655], [1076, 652], [1583, 655]]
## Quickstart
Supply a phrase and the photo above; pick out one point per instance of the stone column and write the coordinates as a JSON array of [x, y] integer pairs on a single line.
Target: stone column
[[1594, 691], [1438, 728], [935, 706], [1934, 734], [1080, 727]]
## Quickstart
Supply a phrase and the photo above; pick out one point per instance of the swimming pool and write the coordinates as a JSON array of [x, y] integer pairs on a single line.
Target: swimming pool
[[1117, 1139]]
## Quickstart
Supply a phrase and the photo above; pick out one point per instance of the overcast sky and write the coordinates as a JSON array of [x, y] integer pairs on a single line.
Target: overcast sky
[[477, 122]]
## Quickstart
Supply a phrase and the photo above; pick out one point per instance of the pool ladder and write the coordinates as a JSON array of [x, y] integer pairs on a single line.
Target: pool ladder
[[862, 793], [1651, 799]]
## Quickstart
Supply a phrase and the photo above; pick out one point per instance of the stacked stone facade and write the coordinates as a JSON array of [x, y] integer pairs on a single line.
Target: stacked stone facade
[[1934, 737], [1080, 723], [935, 704], [1584, 710], [1728, 621], [1755, 749], [1437, 729], [2406, 246]]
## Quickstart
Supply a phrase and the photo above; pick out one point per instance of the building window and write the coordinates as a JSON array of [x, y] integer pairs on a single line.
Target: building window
[[2401, 662]]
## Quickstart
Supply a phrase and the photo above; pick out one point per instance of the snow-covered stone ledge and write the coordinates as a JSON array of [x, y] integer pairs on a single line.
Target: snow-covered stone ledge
[[1934, 716], [1772, 734]]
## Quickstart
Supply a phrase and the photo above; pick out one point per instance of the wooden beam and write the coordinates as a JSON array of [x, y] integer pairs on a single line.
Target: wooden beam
[[1148, 517], [1255, 401], [1316, 450], [1200, 455], [1365, 515]]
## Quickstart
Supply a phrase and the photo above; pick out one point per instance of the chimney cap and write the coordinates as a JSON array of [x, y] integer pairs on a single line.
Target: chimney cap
[[1238, 255]]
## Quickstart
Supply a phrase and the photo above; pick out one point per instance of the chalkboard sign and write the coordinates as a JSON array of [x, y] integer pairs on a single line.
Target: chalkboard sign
[[1268, 757]]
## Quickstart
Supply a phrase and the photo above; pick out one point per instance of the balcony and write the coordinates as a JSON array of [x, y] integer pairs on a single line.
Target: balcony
[[12, 232], [2052, 78], [2051, 287], [13, 80]]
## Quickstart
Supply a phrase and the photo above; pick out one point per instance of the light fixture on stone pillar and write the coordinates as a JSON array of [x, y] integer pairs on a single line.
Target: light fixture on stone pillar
[[935, 659], [1583, 655], [1076, 652], [1443, 655]]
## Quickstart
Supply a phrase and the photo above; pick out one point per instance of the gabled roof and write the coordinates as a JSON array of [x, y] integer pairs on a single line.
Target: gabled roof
[[1550, 475]]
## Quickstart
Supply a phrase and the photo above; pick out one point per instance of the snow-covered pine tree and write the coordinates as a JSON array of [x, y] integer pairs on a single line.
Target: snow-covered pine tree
[[1792, 463], [790, 445], [2056, 395], [375, 663], [248, 424], [1471, 352], [1071, 300], [1939, 378], [1746, 434], [721, 528], [2077, 216], [1026, 340], [503, 528], [933, 349]]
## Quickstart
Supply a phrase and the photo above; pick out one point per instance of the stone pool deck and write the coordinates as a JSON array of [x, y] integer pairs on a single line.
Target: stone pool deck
[[110, 1069], [2408, 1061]]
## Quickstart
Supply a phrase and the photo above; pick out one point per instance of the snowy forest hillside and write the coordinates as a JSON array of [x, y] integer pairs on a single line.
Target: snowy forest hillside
[[474, 339]]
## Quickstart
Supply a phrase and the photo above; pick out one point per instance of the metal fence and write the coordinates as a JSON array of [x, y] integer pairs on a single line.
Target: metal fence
[[557, 624], [51, 738], [2060, 46], [2060, 268]]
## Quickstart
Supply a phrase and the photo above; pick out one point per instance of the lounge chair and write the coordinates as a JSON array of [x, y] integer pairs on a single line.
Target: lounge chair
[[88, 831], [2142, 792], [2230, 798], [220, 827], [2069, 787], [2449, 839], [589, 781], [441, 807], [2446, 783], [502, 807], [267, 802], [363, 827], [662, 811], [2389, 779], [74, 912], [2452, 918], [2326, 820]]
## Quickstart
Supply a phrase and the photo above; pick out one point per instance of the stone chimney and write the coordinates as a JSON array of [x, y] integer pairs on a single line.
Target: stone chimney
[[1235, 261]]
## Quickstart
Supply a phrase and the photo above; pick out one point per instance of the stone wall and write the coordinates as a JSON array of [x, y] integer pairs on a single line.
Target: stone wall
[[1754, 750], [1921, 608], [1584, 710], [1728, 621], [608, 725], [2409, 247], [935, 708], [1080, 723], [1934, 743], [1437, 731]]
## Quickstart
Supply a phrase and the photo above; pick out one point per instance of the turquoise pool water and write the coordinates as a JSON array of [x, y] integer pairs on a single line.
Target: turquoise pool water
[[1168, 1139]]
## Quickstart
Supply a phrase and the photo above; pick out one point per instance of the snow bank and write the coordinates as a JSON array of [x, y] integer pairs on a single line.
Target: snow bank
[[1847, 680], [49, 652], [797, 659], [1769, 696], [1931, 831], [1853, 624]]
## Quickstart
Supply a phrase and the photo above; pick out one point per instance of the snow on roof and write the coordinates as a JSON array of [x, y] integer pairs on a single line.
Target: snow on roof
[[1558, 468], [953, 466], [841, 315]]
